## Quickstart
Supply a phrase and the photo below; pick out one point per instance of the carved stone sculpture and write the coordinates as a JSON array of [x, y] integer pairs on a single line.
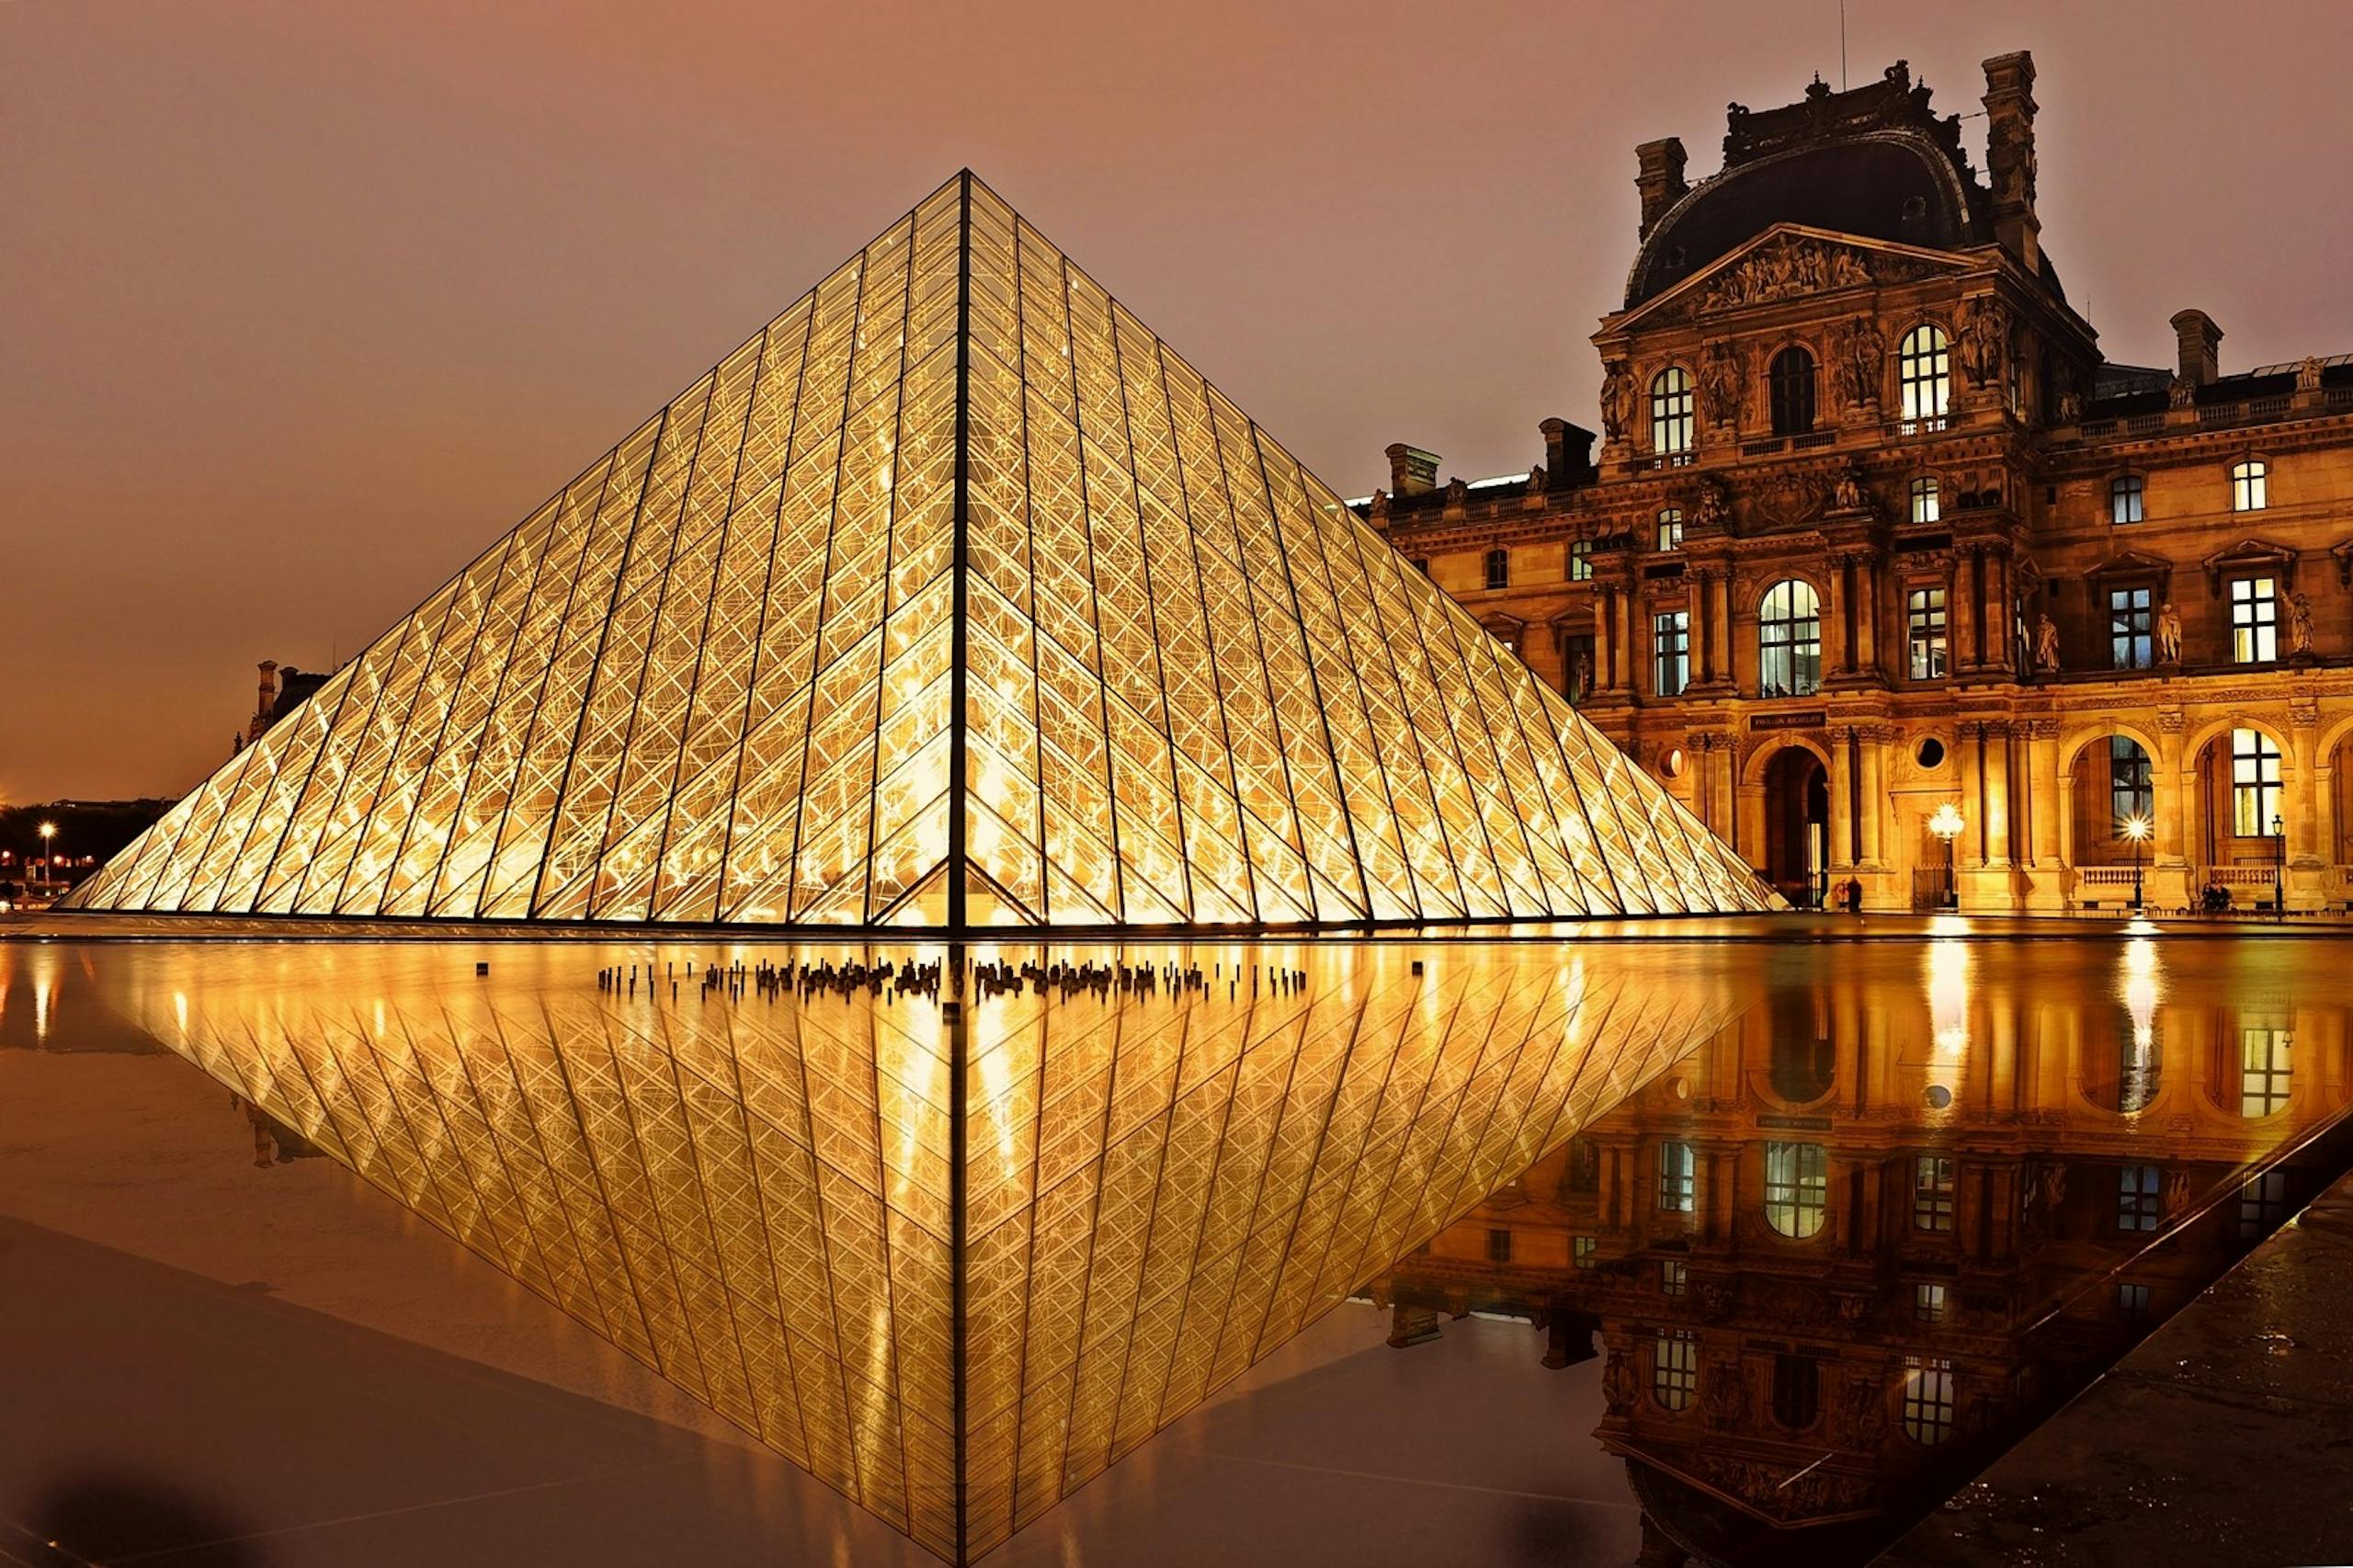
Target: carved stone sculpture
[[1847, 489], [2169, 633], [1783, 270], [2308, 374], [2299, 624], [1713, 509], [1722, 376], [1618, 1387], [1984, 338], [1862, 353], [2180, 395], [1381, 508], [2046, 643], [1617, 399]]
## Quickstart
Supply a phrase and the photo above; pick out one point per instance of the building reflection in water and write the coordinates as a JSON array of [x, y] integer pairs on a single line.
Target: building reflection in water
[[1867, 1237], [953, 1302]]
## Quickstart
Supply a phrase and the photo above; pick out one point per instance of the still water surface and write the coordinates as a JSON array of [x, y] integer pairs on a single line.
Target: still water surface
[[1811, 1232]]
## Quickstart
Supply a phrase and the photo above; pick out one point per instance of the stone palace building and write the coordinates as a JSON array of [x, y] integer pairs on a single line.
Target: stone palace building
[[1877, 542]]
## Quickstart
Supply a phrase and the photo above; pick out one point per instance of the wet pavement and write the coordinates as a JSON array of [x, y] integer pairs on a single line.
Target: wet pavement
[[1761, 1264]]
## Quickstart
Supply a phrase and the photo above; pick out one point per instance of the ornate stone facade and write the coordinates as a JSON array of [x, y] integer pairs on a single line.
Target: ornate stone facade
[[1874, 528]]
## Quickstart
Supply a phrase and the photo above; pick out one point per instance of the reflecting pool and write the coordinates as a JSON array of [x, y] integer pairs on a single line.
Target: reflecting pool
[[1825, 1226]]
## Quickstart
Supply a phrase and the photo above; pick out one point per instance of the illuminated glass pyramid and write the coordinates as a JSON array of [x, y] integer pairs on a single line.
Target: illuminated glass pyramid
[[954, 598], [953, 1267]]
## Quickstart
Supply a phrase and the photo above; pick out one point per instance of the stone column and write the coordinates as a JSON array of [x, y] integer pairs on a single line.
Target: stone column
[[1996, 840], [1841, 781], [2307, 868], [1866, 613], [1875, 804]]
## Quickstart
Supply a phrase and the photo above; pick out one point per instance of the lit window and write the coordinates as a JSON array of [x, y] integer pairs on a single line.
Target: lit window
[[1924, 633], [1932, 1193], [1674, 1369], [1788, 641], [1797, 1187], [1499, 568], [2131, 625], [1924, 506], [1580, 561], [2254, 783], [2263, 1203], [1498, 1246], [2137, 1203], [2266, 1070], [1924, 372], [1674, 1277], [1671, 419], [1671, 637], [1929, 1302], [2131, 782], [1796, 1391], [1790, 381], [2250, 486], [1677, 1186], [1581, 1251], [1670, 529], [2255, 621], [1927, 1400], [2127, 494], [2132, 1300]]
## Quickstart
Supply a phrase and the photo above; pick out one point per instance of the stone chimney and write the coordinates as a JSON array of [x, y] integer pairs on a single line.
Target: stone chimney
[[2010, 155], [1568, 453], [1412, 471], [1660, 181], [268, 696], [2198, 342]]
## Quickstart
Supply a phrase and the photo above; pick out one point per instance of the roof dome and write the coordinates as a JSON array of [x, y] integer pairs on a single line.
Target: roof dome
[[1884, 185]]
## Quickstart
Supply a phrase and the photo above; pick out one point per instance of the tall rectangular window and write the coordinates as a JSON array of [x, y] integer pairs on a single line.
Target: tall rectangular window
[[2255, 621], [1672, 424], [1670, 527], [1932, 1193], [1797, 1187], [1580, 561], [2131, 623], [1929, 1302], [1927, 1400], [1674, 1369], [2132, 781], [1671, 639], [1674, 1277], [1924, 633], [1927, 508], [1924, 377], [2266, 1070], [2262, 1204], [1677, 1183], [1499, 568], [1498, 1246], [2128, 496], [2254, 783], [2131, 1299], [2250, 486], [2138, 1203]]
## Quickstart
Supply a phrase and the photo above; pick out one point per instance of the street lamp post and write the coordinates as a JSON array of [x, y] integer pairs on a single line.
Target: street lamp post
[[49, 852], [1946, 823], [2278, 868], [2136, 828]]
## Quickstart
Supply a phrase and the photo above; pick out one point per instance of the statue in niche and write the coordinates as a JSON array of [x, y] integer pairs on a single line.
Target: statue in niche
[[2071, 406], [2300, 623], [1862, 351], [1847, 489], [2169, 633], [2046, 643], [1721, 377], [1585, 673], [1617, 397], [1985, 335]]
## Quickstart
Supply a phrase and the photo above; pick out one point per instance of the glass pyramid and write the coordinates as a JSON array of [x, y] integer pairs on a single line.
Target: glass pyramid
[[955, 1294], [954, 598]]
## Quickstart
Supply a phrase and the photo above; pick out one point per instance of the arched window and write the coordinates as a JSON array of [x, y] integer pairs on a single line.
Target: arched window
[[2266, 1071], [2250, 486], [1797, 1187], [1670, 527], [1674, 1369], [1924, 373], [1926, 506], [1788, 641], [1790, 382], [1499, 568], [2127, 496], [2131, 783], [2254, 784], [1927, 1400], [1671, 419]]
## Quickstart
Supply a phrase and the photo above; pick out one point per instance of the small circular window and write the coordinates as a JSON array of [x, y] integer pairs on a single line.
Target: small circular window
[[1930, 753], [1939, 1098], [1672, 763]]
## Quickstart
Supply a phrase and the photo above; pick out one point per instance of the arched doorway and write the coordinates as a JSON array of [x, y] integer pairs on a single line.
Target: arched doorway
[[2238, 824], [2112, 827], [1797, 827]]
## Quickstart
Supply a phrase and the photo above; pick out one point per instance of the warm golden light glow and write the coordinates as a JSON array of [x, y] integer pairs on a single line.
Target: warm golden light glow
[[1947, 823], [956, 500], [2136, 827]]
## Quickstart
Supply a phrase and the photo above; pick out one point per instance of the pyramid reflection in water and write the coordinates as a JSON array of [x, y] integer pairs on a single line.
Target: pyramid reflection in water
[[953, 599], [761, 1198]]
